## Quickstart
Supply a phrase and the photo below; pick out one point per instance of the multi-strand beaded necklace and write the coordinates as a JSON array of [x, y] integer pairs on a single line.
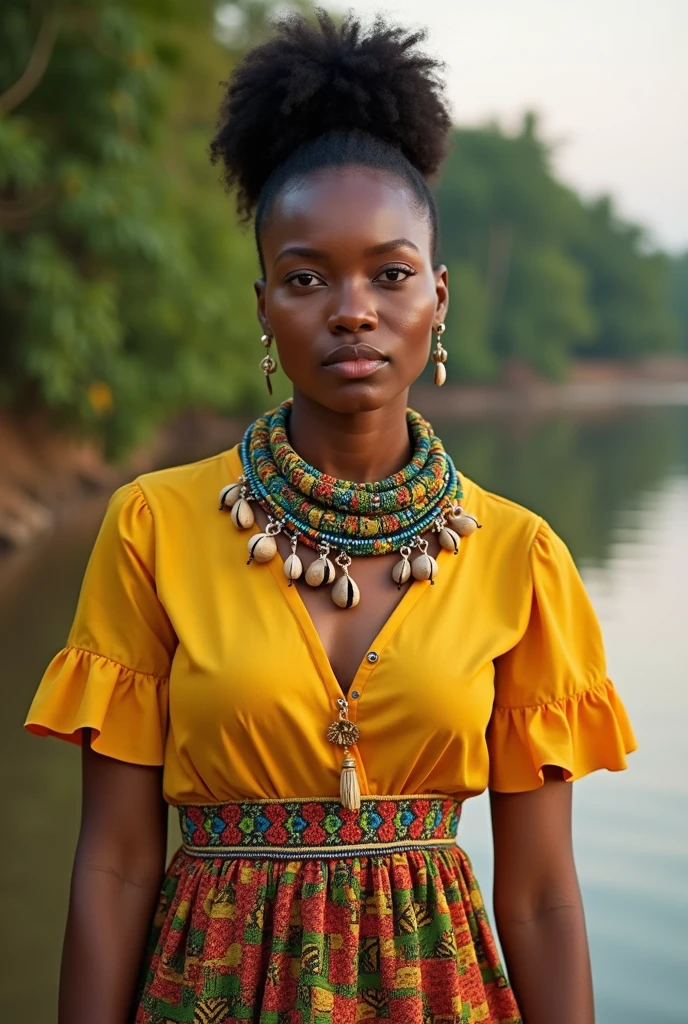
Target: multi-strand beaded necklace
[[357, 519]]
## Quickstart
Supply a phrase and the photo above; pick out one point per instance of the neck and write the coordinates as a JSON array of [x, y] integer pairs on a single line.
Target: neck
[[362, 446]]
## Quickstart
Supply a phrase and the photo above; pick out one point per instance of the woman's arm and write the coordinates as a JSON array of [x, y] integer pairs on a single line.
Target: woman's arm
[[118, 869], [538, 906]]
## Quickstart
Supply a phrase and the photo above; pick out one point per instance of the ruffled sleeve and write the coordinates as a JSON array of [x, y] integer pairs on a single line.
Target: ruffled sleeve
[[554, 704], [112, 676]]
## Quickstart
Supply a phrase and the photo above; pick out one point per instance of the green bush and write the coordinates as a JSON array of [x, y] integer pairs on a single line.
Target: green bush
[[124, 280]]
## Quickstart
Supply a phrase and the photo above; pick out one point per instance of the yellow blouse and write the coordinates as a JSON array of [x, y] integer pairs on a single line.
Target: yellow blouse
[[182, 655]]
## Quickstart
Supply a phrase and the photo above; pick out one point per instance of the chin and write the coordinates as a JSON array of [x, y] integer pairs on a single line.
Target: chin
[[356, 396]]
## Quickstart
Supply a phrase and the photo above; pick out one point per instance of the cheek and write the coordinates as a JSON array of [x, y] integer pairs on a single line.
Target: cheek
[[293, 316], [411, 309], [412, 323], [296, 324], [416, 319]]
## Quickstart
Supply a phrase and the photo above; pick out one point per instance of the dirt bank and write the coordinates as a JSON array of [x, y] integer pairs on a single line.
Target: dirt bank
[[44, 474]]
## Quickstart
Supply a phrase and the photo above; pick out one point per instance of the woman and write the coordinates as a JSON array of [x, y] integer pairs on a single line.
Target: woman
[[320, 714]]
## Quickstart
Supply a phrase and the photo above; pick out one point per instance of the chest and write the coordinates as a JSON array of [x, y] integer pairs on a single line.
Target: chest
[[263, 661], [348, 635], [260, 665]]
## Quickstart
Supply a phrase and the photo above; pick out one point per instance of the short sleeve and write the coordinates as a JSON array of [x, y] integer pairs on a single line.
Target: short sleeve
[[112, 676], [553, 701]]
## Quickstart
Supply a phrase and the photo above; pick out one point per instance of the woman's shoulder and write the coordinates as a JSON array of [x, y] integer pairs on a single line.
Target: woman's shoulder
[[190, 485], [503, 517]]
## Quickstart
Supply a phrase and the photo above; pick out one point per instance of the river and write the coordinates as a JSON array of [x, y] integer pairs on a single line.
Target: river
[[615, 486]]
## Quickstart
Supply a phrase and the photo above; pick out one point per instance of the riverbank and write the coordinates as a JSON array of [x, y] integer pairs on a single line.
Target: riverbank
[[591, 386], [45, 475]]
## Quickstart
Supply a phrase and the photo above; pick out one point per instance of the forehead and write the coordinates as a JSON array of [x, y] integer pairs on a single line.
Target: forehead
[[347, 209]]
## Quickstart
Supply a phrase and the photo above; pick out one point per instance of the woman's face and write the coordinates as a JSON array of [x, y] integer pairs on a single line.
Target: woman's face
[[350, 294]]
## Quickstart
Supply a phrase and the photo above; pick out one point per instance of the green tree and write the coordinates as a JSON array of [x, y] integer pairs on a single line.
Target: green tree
[[124, 281], [504, 214], [678, 278], [552, 276], [474, 358], [546, 313], [628, 285]]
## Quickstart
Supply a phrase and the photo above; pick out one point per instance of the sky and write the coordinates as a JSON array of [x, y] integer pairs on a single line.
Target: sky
[[609, 79]]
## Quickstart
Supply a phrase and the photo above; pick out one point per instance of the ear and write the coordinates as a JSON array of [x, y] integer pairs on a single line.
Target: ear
[[259, 288], [442, 293]]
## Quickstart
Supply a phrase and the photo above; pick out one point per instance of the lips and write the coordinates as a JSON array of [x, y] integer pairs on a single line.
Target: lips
[[354, 354]]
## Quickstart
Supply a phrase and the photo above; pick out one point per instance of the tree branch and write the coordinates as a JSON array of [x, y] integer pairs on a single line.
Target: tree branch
[[36, 66]]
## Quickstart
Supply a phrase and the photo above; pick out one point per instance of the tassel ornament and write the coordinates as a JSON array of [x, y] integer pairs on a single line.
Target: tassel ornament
[[349, 788], [345, 733]]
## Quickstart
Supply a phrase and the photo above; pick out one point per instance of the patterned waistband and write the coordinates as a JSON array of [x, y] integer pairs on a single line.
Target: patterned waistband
[[294, 829]]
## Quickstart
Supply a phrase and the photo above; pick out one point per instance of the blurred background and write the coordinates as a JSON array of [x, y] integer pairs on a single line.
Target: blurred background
[[128, 341]]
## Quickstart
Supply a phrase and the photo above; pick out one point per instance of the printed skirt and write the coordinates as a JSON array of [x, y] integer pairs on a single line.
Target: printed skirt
[[304, 912]]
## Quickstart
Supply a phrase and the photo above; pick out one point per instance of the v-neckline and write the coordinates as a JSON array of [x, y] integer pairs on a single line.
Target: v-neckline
[[392, 623], [414, 592]]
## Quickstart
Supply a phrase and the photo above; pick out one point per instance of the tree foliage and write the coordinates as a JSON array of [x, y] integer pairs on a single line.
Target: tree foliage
[[679, 296], [550, 275], [123, 276]]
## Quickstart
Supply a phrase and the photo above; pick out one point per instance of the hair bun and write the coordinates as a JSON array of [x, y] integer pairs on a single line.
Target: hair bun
[[312, 78]]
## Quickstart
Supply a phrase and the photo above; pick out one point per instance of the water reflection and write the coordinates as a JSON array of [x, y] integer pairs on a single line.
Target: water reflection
[[581, 474], [616, 488]]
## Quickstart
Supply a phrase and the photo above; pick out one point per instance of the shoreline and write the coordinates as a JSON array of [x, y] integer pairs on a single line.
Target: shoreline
[[45, 477], [590, 386]]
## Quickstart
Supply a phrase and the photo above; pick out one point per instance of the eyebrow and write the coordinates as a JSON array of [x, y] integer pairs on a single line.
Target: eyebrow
[[395, 243], [374, 250]]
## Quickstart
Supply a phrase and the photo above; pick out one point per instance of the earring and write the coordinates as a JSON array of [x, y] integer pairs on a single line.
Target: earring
[[267, 363], [439, 357]]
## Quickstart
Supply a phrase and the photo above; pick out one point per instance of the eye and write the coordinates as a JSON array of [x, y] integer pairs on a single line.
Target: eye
[[303, 279], [395, 275]]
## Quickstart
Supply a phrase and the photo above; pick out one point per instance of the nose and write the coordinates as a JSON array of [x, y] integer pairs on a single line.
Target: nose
[[352, 312]]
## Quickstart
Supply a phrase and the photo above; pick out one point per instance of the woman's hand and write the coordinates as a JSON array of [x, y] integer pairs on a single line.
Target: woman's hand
[[537, 904], [118, 869]]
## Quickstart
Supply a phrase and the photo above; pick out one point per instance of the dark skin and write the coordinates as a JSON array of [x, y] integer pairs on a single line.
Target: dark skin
[[347, 295], [346, 284], [118, 870]]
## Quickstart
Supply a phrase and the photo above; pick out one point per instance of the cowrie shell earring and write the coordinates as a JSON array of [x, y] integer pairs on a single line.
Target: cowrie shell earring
[[439, 357]]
